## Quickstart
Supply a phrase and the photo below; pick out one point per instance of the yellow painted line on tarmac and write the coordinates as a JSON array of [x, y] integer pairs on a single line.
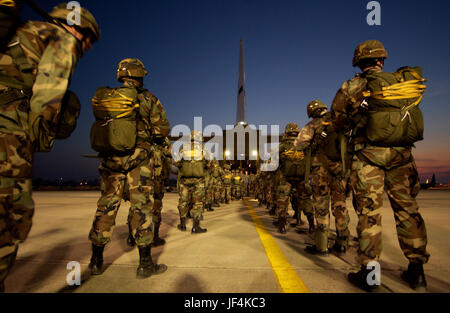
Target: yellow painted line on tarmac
[[287, 277]]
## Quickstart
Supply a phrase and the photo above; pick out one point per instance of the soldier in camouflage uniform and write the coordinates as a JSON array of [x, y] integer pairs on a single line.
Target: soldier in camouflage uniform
[[292, 180], [192, 173], [376, 169], [227, 180], [309, 138], [236, 186], [130, 177], [35, 71], [209, 189], [216, 173]]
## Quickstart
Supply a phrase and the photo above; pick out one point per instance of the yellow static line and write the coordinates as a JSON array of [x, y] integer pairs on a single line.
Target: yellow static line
[[287, 277]]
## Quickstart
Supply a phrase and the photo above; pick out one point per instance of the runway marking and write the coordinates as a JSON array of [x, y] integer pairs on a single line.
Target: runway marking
[[288, 279]]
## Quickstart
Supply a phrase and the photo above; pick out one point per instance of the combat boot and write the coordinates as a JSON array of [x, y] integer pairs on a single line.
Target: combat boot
[[157, 241], [146, 266], [273, 210], [282, 225], [130, 240], [96, 260], [216, 204], [415, 276], [359, 279], [182, 225], [340, 245], [196, 229], [315, 251], [209, 208]]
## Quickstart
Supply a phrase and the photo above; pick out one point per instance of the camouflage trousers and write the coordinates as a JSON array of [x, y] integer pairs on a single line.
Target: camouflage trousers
[[217, 190], [158, 195], [235, 192], [227, 192], [16, 203], [293, 189], [209, 191], [191, 191], [374, 170], [320, 183], [338, 196], [135, 185]]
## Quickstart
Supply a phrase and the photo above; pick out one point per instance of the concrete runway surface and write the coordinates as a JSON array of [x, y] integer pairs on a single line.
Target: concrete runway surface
[[240, 253]]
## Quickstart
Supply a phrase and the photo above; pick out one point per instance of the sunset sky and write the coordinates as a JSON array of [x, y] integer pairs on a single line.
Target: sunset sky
[[295, 51]]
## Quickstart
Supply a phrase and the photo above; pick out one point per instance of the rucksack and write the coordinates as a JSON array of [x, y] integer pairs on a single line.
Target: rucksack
[[116, 113], [293, 163], [394, 116]]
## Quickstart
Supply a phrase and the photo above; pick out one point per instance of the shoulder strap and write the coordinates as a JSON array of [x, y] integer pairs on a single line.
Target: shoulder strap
[[24, 66]]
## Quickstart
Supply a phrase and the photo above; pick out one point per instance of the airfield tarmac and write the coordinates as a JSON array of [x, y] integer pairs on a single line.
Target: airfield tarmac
[[241, 253]]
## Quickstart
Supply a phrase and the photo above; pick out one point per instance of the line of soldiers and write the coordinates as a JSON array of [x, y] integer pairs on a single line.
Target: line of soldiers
[[36, 108], [362, 147], [203, 183]]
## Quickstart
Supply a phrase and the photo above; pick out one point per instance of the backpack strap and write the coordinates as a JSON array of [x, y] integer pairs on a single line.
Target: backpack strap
[[25, 68]]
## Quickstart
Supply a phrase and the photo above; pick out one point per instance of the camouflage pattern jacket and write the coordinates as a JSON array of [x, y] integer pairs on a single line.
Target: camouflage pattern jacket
[[52, 54], [310, 138]]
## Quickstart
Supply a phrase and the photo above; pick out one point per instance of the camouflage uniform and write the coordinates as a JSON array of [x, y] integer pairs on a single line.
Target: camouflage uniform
[[376, 169], [291, 187], [227, 179], [193, 168], [131, 177], [309, 138], [216, 173], [236, 192], [31, 104], [162, 159]]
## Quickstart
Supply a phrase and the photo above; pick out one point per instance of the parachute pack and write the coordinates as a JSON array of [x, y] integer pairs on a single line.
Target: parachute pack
[[394, 117], [293, 164], [116, 113]]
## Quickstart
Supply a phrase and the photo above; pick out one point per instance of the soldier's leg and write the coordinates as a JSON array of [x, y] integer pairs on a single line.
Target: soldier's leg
[[367, 182], [228, 192], [16, 212], [198, 196], [320, 185], [402, 186], [183, 204], [16, 203], [158, 195], [283, 195], [140, 184], [340, 212], [112, 188], [305, 204]]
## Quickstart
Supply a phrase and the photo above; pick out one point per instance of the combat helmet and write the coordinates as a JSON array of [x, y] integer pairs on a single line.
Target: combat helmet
[[130, 68], [196, 136], [292, 128], [315, 105], [370, 49], [87, 21]]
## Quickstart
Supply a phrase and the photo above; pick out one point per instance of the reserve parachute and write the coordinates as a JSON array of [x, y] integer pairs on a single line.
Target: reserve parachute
[[394, 116], [116, 112]]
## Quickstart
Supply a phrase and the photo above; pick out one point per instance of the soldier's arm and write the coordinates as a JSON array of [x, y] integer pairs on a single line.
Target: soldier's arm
[[158, 119], [305, 137], [347, 103], [53, 76]]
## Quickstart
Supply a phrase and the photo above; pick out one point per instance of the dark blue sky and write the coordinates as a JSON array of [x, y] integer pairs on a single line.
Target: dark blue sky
[[295, 51]]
